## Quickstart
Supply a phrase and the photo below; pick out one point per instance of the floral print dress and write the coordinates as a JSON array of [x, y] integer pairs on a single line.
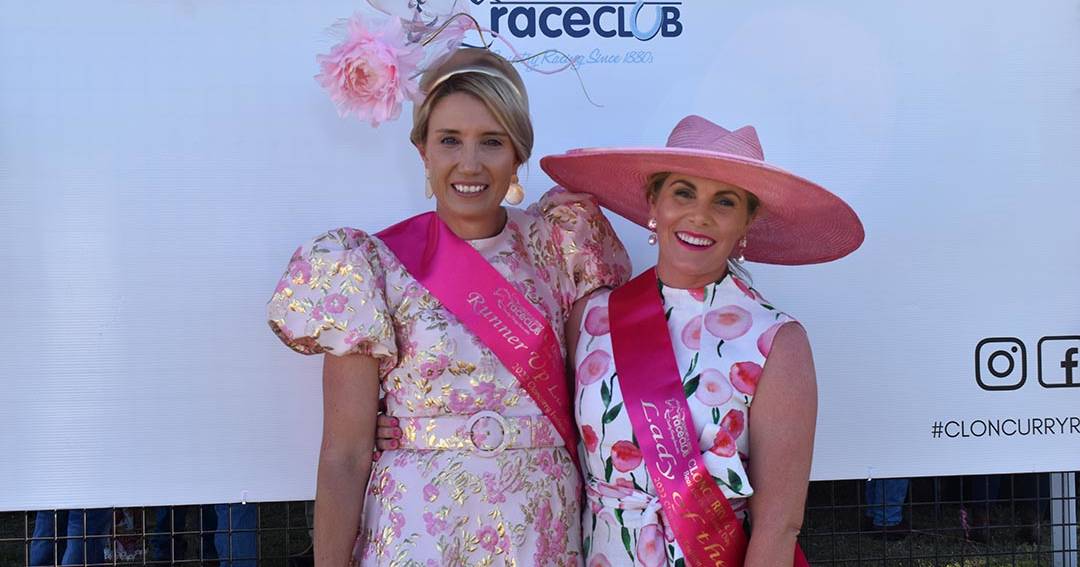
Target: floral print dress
[[722, 335], [345, 292]]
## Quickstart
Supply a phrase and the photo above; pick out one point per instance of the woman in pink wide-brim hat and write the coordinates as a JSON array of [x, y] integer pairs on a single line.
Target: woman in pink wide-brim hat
[[711, 202], [799, 222]]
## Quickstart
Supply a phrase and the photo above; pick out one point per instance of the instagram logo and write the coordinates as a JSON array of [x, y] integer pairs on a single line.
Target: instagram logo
[[1059, 362], [1001, 363]]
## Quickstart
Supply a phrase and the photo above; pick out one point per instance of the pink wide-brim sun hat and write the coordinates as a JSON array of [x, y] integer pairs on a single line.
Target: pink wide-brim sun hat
[[798, 221]]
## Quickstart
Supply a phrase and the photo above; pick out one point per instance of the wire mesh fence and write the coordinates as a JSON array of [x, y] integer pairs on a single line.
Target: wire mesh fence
[[949, 521], [1017, 520]]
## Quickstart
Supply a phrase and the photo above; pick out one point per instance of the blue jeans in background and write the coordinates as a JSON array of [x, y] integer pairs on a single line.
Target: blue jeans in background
[[239, 548], [93, 525], [885, 500]]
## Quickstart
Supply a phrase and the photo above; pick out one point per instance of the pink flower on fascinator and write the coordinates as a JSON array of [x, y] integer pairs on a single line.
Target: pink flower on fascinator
[[370, 73]]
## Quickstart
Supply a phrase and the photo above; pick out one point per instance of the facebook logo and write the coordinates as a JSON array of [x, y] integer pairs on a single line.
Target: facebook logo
[[1059, 362]]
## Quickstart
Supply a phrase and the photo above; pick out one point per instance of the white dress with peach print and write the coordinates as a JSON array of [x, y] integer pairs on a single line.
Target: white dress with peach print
[[721, 334], [346, 292]]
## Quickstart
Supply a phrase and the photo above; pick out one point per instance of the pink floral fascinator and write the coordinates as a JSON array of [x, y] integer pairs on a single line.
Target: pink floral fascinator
[[376, 67]]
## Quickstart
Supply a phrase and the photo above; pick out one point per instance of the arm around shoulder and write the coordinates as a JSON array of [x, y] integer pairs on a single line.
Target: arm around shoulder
[[593, 255]]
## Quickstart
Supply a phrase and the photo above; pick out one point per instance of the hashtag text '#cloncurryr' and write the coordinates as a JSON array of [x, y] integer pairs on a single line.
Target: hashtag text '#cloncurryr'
[[1006, 427]]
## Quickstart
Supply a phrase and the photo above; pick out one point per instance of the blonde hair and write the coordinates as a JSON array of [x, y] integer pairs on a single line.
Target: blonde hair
[[488, 77]]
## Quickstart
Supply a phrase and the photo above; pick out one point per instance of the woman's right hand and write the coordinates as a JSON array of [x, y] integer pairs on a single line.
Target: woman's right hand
[[387, 433]]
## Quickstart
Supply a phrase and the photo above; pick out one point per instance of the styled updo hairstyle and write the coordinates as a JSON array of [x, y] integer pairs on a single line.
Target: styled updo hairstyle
[[488, 77]]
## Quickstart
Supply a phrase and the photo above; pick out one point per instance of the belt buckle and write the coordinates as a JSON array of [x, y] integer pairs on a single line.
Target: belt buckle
[[471, 426]]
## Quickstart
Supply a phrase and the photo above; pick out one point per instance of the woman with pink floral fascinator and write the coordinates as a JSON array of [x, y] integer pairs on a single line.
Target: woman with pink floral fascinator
[[669, 365], [454, 317]]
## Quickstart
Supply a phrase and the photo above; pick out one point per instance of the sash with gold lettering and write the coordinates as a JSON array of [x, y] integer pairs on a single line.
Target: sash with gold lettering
[[489, 306], [695, 508]]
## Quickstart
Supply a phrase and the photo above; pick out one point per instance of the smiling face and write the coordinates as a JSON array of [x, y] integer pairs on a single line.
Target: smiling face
[[699, 223], [469, 160]]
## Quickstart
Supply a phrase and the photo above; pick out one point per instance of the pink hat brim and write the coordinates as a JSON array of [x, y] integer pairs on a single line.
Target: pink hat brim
[[798, 222]]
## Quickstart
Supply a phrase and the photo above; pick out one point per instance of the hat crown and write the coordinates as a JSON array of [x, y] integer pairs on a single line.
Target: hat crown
[[697, 133]]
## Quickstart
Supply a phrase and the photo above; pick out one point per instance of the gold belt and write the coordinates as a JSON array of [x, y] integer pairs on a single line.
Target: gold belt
[[486, 433]]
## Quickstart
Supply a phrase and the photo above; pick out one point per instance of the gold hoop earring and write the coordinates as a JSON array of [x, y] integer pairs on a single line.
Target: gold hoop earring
[[516, 193]]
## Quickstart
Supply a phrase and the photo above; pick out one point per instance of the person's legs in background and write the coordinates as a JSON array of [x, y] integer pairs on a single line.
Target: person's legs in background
[[88, 532], [235, 539], [885, 504], [43, 543]]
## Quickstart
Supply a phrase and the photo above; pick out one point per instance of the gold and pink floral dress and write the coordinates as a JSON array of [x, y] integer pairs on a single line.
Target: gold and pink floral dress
[[439, 501], [722, 335]]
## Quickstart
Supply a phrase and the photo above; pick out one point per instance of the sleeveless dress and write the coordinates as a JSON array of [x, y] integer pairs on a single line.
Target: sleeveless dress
[[345, 292], [722, 335]]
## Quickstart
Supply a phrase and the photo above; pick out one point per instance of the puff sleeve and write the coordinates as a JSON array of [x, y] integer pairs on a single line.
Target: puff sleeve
[[332, 299], [593, 255]]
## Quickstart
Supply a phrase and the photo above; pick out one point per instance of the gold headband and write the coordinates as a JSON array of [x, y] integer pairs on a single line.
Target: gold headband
[[474, 69]]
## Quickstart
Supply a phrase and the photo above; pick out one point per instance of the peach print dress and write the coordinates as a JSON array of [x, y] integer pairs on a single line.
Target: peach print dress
[[722, 335]]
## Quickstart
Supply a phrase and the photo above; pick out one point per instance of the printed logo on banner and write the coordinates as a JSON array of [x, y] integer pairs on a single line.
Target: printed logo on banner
[[643, 20], [1059, 362], [1000, 363]]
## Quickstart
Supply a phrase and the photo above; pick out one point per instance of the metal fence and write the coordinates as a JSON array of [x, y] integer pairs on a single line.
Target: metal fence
[[948, 521], [942, 521]]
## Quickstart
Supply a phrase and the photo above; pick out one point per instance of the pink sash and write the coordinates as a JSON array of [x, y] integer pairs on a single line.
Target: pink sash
[[695, 508], [489, 306]]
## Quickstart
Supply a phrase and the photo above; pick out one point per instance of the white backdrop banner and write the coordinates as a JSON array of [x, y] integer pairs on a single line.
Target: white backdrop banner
[[160, 161]]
